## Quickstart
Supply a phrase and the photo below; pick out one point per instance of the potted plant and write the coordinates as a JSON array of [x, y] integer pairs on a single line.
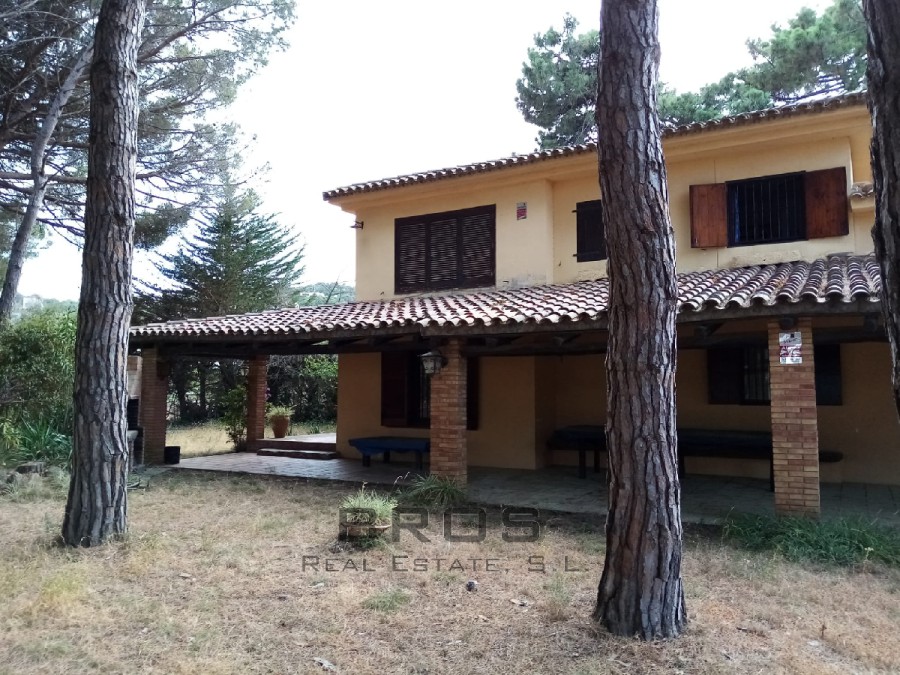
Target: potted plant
[[366, 514], [280, 419]]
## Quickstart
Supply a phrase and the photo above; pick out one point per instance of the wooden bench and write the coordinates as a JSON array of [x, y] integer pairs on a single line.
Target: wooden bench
[[583, 438], [715, 443], [735, 444], [385, 445]]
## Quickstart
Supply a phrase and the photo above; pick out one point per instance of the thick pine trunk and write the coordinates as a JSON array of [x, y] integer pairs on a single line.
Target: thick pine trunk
[[883, 20], [640, 591], [97, 504]]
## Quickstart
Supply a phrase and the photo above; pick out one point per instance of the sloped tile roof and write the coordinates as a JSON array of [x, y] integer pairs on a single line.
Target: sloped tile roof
[[781, 112], [837, 279]]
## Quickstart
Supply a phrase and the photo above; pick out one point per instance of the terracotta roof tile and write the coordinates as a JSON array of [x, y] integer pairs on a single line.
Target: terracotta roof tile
[[785, 111], [836, 279]]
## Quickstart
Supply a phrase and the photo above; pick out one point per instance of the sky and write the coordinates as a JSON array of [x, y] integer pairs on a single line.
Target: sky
[[369, 90]]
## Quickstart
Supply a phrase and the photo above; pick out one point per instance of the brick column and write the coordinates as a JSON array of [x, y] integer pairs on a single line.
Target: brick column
[[153, 408], [448, 416], [256, 401], [795, 431]]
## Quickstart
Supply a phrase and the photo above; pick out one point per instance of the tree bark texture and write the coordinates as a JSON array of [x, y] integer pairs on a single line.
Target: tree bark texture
[[97, 506], [640, 591], [883, 72], [39, 184]]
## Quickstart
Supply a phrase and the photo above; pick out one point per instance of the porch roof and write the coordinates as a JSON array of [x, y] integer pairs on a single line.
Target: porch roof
[[839, 283]]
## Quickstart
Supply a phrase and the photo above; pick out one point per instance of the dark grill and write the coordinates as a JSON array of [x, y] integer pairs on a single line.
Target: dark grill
[[766, 210]]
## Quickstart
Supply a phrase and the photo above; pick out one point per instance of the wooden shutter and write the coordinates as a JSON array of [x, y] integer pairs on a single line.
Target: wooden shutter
[[473, 389], [395, 389], [828, 375], [410, 242], [709, 215], [443, 253], [725, 374], [589, 234], [826, 203], [478, 236]]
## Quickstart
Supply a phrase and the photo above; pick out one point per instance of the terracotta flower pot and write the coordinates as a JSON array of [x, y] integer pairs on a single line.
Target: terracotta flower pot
[[280, 426]]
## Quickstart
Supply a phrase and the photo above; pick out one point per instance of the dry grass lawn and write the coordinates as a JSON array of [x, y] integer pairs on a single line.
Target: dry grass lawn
[[211, 579], [210, 438]]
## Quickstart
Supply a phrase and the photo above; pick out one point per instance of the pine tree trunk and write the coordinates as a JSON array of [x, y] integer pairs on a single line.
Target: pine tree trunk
[[19, 248], [883, 20], [97, 506], [640, 591]]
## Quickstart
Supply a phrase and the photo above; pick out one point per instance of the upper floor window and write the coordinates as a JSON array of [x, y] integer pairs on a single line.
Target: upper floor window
[[770, 209], [454, 249], [591, 239], [766, 210]]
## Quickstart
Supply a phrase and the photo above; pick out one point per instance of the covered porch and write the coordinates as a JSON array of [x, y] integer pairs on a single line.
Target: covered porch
[[540, 352], [705, 499]]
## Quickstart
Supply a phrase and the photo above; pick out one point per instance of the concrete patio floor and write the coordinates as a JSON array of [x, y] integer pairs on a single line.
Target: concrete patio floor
[[705, 499]]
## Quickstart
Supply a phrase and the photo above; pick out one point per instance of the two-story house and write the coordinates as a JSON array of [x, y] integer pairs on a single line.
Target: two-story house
[[499, 267]]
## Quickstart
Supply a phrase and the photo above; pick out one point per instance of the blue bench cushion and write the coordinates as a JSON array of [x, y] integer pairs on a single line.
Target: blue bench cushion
[[373, 445]]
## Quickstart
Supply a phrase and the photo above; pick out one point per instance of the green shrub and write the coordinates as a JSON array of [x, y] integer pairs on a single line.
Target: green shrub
[[434, 492], [376, 505], [36, 440], [279, 411], [37, 369], [844, 542], [234, 416]]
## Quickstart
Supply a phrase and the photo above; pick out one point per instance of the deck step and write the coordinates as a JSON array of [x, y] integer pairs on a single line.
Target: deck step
[[298, 453], [295, 444]]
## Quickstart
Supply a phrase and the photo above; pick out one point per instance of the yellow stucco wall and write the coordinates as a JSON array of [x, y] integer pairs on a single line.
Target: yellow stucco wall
[[524, 398], [540, 248], [508, 412], [523, 246]]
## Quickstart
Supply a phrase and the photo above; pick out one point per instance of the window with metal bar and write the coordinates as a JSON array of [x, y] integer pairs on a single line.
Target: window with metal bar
[[766, 210]]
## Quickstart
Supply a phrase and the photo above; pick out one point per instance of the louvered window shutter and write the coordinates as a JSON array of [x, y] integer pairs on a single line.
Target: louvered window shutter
[[478, 235], [439, 251], [589, 234], [443, 254], [395, 389], [826, 203], [410, 246]]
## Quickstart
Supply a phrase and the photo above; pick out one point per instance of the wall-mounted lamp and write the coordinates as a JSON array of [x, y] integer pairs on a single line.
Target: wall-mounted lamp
[[432, 362], [357, 225]]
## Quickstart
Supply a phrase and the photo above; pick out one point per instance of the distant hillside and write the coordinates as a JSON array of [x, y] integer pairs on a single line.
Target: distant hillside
[[325, 293]]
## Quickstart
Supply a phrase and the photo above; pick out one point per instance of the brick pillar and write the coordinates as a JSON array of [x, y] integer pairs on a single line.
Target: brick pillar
[[795, 431], [448, 416], [153, 408], [256, 401]]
